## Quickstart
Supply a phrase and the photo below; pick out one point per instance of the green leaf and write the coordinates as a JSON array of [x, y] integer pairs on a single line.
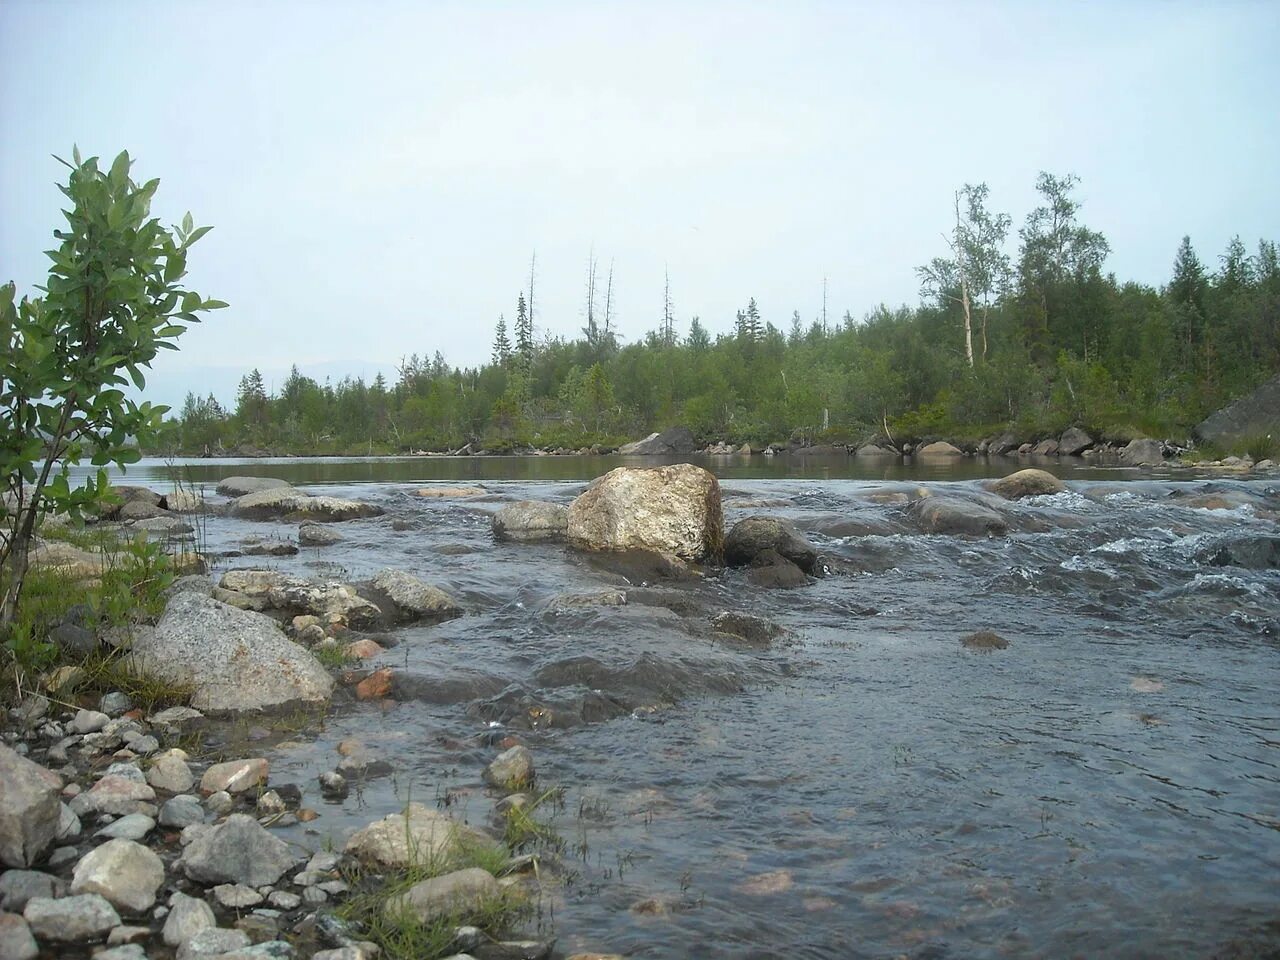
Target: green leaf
[[187, 222]]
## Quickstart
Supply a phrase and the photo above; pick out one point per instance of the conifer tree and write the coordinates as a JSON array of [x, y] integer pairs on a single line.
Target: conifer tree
[[501, 345]]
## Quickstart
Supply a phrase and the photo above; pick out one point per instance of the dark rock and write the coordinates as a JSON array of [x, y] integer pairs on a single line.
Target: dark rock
[[1073, 442], [19, 886], [984, 640], [674, 441], [771, 570], [1142, 453], [1253, 553], [752, 631], [1254, 415], [953, 515], [640, 566], [74, 639], [754, 535]]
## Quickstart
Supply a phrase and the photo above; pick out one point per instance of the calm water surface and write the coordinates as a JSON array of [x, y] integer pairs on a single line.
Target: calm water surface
[[1109, 786]]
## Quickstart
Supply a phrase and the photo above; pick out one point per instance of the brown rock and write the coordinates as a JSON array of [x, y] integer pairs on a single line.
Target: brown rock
[[376, 686]]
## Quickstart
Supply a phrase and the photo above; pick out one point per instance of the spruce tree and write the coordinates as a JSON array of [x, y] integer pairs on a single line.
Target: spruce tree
[[501, 345]]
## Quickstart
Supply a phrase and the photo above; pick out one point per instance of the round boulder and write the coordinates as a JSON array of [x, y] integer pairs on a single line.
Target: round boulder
[[752, 536], [1028, 483]]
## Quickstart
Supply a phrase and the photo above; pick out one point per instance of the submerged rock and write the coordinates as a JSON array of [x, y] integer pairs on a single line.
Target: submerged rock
[[288, 502], [531, 521], [750, 630], [1252, 553], [312, 534], [1028, 483], [752, 536], [512, 769], [953, 515], [772, 570], [236, 660], [673, 510], [413, 599], [984, 640], [29, 809]]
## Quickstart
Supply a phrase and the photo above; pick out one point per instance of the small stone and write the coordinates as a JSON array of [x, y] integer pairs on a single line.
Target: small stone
[[181, 811], [985, 640], [145, 745], [187, 917], [69, 828], [117, 794], [62, 856], [88, 721], [324, 862], [314, 896], [271, 804], [333, 888], [376, 686], [16, 941], [364, 649], [134, 826], [235, 776], [115, 703], [333, 785], [122, 935], [220, 803], [170, 772], [29, 809], [236, 896], [283, 900], [79, 919], [128, 951], [176, 716], [212, 941], [126, 873], [19, 886], [511, 769]]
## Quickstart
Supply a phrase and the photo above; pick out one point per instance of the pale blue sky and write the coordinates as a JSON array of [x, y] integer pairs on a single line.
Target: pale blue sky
[[378, 173]]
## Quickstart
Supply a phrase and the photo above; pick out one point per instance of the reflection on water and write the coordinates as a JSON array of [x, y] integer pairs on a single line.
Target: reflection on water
[[309, 470], [1109, 785]]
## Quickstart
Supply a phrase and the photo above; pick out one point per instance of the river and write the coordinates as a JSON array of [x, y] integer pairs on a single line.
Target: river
[[1108, 786]]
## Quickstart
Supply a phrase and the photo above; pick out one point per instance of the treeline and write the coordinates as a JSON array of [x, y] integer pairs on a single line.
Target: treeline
[[1034, 341]]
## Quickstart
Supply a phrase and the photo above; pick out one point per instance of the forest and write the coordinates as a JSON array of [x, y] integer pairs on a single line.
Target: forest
[[1031, 342]]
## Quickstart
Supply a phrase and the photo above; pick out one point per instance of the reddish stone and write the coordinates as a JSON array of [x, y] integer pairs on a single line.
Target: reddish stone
[[364, 649], [376, 686]]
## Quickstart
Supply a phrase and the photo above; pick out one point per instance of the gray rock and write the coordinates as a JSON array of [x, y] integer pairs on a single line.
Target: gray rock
[[80, 919], [1256, 414], [751, 536], [270, 804], [116, 794], [133, 826], [512, 769], [267, 950], [19, 886], [1028, 483], [333, 785], [672, 441], [462, 893], [73, 638], [237, 660], [16, 941], [1253, 553], [1074, 442], [163, 526], [235, 776], [531, 521], [30, 809], [939, 448], [752, 631], [1142, 453], [212, 942], [317, 535], [671, 510], [187, 917], [69, 827], [236, 896], [282, 502], [125, 951], [283, 900], [126, 873], [874, 450], [239, 486], [413, 599], [170, 772], [238, 850], [62, 857], [181, 811], [953, 515], [176, 716], [417, 835], [219, 803]]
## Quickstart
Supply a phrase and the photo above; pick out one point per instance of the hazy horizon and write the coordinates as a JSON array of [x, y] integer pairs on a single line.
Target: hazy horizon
[[378, 176]]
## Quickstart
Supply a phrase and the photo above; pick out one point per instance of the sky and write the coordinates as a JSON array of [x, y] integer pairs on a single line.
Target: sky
[[379, 174]]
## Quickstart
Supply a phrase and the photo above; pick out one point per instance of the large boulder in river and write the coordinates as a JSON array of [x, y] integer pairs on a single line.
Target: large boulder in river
[[239, 486], [29, 809], [1254, 415], [1254, 553], [236, 660], [674, 441], [1073, 442], [674, 510], [939, 448], [413, 599], [954, 515], [1142, 453], [752, 536], [288, 502], [271, 590], [531, 521], [1028, 483]]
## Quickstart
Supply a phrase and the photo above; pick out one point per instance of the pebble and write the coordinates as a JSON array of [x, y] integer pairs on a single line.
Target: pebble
[[134, 826], [283, 900], [314, 896], [69, 828], [88, 721], [235, 776], [121, 935], [187, 917], [219, 803], [270, 804], [19, 886], [181, 811], [333, 785], [144, 745], [236, 896], [62, 856], [80, 919], [115, 703], [16, 942], [212, 941], [129, 951]]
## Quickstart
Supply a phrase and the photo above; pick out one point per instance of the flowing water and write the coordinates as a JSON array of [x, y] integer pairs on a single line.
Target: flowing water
[[1109, 785]]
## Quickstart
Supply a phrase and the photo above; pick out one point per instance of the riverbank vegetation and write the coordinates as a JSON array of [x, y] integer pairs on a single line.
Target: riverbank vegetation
[[1017, 329]]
